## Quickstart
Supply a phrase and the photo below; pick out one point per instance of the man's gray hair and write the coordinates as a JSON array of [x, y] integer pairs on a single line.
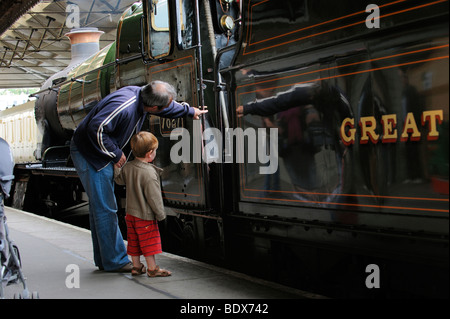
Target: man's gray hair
[[158, 93]]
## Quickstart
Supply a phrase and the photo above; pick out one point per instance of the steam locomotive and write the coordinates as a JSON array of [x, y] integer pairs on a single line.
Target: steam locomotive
[[357, 205]]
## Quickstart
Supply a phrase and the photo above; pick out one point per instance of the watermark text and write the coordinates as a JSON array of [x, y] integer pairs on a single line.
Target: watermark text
[[73, 279], [373, 19], [373, 279], [73, 16], [260, 146]]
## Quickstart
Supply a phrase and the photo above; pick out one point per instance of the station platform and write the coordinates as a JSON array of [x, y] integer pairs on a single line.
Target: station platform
[[54, 253]]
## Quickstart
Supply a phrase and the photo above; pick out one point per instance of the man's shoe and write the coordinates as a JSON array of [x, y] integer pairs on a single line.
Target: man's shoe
[[126, 268]]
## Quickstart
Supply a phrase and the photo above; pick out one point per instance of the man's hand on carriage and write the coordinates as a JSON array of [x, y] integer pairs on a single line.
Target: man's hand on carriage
[[199, 112]]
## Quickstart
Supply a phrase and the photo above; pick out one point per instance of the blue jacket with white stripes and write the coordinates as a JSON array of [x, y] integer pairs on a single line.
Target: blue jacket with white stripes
[[108, 127]]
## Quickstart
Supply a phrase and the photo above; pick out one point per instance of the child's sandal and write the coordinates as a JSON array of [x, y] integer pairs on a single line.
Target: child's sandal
[[157, 272], [136, 271]]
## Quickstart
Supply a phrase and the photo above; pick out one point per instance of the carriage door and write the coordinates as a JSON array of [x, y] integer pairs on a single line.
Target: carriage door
[[172, 59]]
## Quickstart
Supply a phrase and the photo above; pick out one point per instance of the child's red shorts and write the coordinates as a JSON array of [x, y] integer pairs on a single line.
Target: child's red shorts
[[143, 237]]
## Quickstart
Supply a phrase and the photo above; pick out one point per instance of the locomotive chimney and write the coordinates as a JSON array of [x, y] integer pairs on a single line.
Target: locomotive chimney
[[85, 42]]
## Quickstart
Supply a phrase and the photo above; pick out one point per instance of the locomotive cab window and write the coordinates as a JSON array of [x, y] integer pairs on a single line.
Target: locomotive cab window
[[160, 28]]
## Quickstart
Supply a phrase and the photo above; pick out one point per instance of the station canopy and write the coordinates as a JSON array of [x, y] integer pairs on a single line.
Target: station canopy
[[33, 45]]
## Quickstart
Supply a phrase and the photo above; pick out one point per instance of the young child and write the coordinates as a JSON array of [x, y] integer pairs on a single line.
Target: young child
[[144, 204]]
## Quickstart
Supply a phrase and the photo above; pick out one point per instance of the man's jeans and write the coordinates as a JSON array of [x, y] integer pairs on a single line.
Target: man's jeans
[[109, 249]]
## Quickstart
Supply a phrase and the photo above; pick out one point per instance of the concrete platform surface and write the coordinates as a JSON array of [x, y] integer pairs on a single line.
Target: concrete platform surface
[[57, 262]]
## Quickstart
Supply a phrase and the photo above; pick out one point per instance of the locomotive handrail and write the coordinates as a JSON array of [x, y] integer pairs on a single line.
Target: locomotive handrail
[[81, 81], [217, 81], [79, 77], [198, 49], [220, 52], [145, 56]]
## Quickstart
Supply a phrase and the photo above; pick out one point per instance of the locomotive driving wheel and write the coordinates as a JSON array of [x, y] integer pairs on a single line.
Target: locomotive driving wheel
[[180, 235]]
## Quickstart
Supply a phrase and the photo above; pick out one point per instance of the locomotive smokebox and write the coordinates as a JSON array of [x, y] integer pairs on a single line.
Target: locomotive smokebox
[[84, 43]]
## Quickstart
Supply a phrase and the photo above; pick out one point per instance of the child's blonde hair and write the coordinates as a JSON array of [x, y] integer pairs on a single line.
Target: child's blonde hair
[[142, 143]]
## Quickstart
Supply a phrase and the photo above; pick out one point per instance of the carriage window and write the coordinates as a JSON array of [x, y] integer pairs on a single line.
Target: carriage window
[[160, 32]]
